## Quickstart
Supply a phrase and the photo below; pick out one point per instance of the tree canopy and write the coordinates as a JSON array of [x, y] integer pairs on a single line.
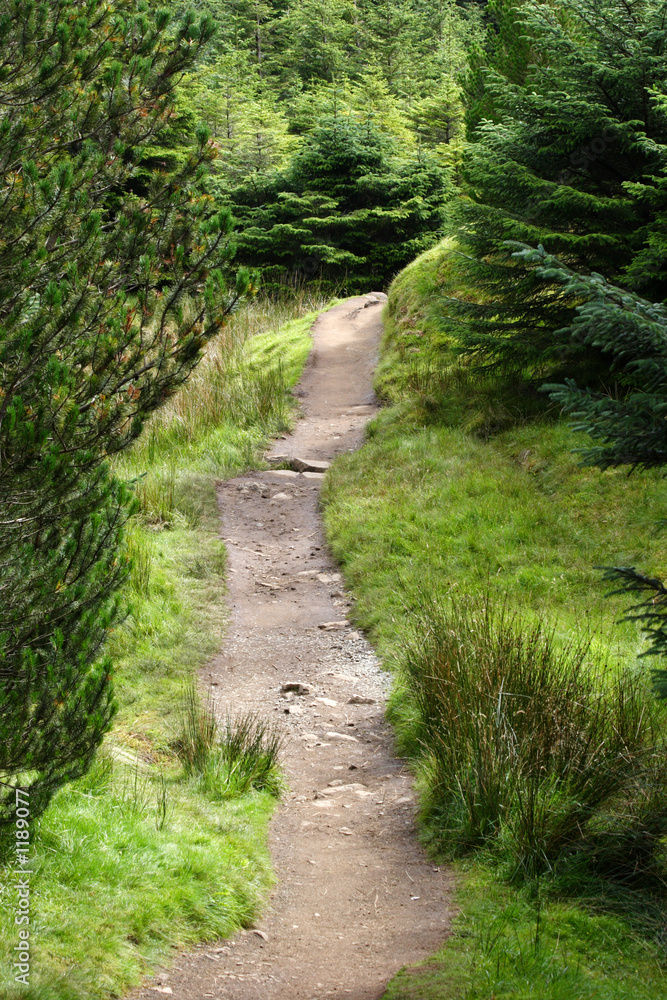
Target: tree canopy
[[345, 210], [573, 161]]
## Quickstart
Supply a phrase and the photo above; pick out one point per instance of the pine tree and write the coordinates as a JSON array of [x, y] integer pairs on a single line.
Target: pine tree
[[575, 163], [346, 211], [111, 280]]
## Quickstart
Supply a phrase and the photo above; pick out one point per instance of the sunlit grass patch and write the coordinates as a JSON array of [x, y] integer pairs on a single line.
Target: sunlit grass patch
[[508, 946], [515, 515], [128, 867]]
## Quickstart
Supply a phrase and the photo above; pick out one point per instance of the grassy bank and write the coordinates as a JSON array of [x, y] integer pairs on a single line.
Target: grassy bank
[[143, 855], [513, 515], [506, 947], [464, 493]]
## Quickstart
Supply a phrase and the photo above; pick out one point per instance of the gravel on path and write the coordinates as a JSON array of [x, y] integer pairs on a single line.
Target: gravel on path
[[356, 897]]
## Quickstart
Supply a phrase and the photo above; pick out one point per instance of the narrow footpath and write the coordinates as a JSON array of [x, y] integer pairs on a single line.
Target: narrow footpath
[[356, 897]]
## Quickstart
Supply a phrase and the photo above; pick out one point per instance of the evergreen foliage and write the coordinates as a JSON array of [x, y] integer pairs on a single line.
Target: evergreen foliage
[[345, 210], [575, 162], [628, 421], [399, 62], [246, 123], [650, 612], [112, 277], [505, 50], [386, 75]]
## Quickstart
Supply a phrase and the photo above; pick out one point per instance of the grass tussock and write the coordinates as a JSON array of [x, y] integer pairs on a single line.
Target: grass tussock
[[232, 758], [535, 748]]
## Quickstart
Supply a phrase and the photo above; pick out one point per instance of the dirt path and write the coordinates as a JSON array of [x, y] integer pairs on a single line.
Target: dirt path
[[356, 898]]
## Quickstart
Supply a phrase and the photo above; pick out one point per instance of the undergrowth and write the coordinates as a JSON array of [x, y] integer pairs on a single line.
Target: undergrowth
[[535, 750], [228, 759], [143, 855]]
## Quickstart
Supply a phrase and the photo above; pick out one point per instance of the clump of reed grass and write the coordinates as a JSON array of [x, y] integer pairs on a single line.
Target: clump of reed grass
[[140, 553], [197, 741], [532, 747], [229, 758]]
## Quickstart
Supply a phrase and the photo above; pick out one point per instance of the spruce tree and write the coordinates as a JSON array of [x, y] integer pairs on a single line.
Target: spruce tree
[[318, 38], [247, 124], [627, 423], [346, 211], [503, 51], [574, 162], [304, 56], [112, 278], [389, 28]]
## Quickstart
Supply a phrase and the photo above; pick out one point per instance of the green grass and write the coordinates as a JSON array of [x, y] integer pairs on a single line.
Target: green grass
[[506, 947], [465, 488], [117, 884], [139, 857], [514, 515], [233, 758], [445, 493], [413, 339]]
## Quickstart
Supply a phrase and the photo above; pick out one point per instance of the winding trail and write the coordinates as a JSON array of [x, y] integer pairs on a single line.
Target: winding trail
[[356, 897]]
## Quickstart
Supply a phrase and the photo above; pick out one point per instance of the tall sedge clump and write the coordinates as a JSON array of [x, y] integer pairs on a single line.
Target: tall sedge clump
[[535, 750], [112, 278], [232, 758]]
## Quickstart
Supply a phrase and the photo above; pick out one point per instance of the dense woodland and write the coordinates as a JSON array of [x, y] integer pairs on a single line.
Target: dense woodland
[[162, 168]]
